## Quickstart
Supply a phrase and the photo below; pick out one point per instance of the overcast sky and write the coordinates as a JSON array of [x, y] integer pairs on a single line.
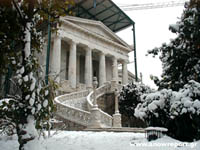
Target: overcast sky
[[151, 31]]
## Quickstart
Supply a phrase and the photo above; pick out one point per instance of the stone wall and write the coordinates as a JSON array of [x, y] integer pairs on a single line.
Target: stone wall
[[63, 124], [107, 103], [132, 122]]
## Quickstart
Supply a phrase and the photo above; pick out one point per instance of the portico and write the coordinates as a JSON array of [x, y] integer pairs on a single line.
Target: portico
[[83, 49]]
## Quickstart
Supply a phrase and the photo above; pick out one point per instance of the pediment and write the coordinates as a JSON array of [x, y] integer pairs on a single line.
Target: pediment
[[96, 27]]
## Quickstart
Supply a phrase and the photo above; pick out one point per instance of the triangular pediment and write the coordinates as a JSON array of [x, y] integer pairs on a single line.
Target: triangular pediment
[[96, 27]]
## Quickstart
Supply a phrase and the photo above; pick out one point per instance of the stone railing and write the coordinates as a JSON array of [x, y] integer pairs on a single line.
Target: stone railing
[[69, 112], [99, 92], [67, 107], [106, 119], [73, 114], [80, 103], [75, 95]]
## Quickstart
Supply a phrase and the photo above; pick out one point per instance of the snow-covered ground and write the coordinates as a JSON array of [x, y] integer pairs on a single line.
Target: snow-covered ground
[[71, 140]]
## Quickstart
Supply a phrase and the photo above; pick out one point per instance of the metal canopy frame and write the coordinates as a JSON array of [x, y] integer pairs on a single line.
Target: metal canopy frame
[[105, 11], [109, 14]]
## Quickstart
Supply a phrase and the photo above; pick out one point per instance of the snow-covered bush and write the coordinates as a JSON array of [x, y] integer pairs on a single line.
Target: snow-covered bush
[[177, 111], [154, 109], [130, 97], [185, 112]]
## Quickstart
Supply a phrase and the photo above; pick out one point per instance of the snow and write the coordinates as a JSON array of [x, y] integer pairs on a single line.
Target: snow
[[157, 129], [45, 103], [46, 92], [27, 97], [33, 84], [32, 132], [152, 107], [74, 140], [39, 107], [27, 39], [31, 101]]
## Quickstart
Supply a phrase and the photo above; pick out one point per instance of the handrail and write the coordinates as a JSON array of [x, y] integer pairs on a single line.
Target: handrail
[[99, 92], [106, 119], [71, 113], [78, 115], [73, 95]]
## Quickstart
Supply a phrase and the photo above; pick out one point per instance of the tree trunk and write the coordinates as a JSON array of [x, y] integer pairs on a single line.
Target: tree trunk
[[28, 136]]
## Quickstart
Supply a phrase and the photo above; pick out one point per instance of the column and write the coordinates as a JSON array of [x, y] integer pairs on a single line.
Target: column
[[124, 73], [72, 65], [102, 69], [88, 67], [115, 69], [56, 58], [78, 69]]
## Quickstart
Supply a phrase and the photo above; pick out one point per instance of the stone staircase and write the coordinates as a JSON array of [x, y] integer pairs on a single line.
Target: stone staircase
[[78, 107]]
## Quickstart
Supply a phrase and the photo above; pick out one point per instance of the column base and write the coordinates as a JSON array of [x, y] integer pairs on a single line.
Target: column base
[[117, 120]]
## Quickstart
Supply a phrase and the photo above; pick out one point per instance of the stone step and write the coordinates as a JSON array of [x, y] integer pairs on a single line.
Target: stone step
[[123, 129]]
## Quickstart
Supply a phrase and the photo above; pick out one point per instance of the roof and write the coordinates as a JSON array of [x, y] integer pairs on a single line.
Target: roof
[[105, 11]]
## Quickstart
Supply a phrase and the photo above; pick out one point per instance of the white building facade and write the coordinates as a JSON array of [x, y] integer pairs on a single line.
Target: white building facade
[[84, 48]]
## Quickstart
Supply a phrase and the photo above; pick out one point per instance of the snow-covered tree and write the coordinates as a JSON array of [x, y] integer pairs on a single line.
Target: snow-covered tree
[[21, 37], [181, 57]]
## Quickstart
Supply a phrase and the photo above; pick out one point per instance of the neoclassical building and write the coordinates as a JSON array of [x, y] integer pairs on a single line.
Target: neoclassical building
[[84, 48]]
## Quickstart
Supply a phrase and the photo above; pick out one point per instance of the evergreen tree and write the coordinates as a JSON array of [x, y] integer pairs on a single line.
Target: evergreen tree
[[181, 57], [21, 37]]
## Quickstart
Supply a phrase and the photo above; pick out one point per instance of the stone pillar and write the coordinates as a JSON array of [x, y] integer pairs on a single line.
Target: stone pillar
[[102, 69], [114, 80], [115, 70], [117, 116], [72, 65], [88, 68], [124, 73], [56, 58], [78, 69]]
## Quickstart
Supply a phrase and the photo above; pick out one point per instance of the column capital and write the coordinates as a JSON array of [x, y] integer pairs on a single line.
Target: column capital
[[73, 42], [88, 48], [57, 36], [114, 58], [125, 61], [101, 53]]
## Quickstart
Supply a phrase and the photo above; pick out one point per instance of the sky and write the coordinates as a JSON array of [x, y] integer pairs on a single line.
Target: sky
[[152, 29]]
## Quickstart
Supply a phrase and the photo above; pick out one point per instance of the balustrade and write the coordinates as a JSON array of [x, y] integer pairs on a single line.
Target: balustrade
[[70, 106], [106, 120]]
